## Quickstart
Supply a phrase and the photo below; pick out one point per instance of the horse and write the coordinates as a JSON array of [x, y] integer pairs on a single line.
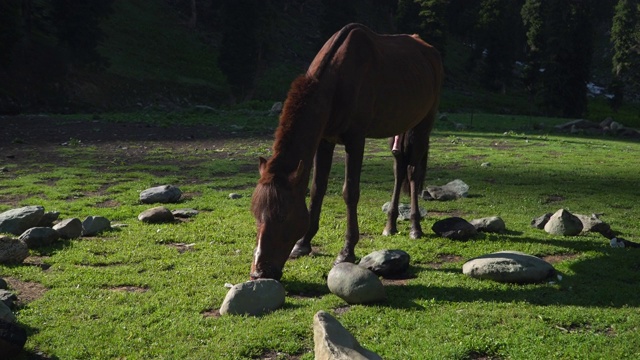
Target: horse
[[360, 85]]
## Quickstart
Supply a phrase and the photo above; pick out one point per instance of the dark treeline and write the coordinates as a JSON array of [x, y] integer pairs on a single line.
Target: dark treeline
[[542, 47]]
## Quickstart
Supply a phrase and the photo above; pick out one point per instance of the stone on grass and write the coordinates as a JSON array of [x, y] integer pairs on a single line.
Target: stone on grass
[[12, 339], [593, 224], [563, 223], [69, 228], [255, 297], [541, 221], [454, 228], [333, 342], [161, 194], [39, 236], [234, 196], [48, 219], [6, 314], [16, 221], [185, 213], [509, 267], [355, 284], [404, 210], [93, 225], [12, 251], [493, 224], [8, 298], [386, 263], [156, 215], [453, 190]]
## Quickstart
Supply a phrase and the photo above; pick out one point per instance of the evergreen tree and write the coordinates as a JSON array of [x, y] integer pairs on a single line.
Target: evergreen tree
[[625, 37], [10, 29]]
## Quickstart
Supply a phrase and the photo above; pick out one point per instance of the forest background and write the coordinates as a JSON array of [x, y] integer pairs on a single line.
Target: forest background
[[564, 58]]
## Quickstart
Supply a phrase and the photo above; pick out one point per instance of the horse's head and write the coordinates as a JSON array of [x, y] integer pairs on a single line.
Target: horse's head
[[282, 218]]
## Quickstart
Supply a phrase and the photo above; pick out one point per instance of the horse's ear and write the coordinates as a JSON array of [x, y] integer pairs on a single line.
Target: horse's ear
[[263, 165], [296, 175]]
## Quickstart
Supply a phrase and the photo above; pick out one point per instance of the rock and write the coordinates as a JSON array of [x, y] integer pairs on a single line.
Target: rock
[[593, 224], [161, 194], [454, 228], [3, 283], [234, 196], [276, 109], [485, 164], [563, 223], [8, 298], [156, 215], [39, 237], [606, 122], [623, 243], [255, 297], [386, 263], [404, 210], [48, 219], [333, 342], [185, 213], [12, 339], [93, 225], [452, 190], [493, 224], [6, 314], [12, 251], [69, 228], [509, 267], [17, 221], [355, 284], [615, 126], [541, 221]]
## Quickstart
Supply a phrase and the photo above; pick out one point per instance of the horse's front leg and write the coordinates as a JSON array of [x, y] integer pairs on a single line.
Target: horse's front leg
[[351, 195], [321, 168], [400, 174]]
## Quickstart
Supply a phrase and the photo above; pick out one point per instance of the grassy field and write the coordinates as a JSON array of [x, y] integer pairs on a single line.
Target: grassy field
[[134, 293]]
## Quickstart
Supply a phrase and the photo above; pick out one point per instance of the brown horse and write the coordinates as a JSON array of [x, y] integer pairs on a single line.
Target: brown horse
[[360, 85]]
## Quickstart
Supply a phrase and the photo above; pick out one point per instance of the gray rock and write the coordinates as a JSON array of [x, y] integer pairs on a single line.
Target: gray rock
[[591, 223], [386, 263], [12, 251], [355, 284], [333, 342], [156, 215], [69, 228], [6, 314], [254, 297], [39, 236], [563, 223], [578, 124], [185, 213], [234, 196], [3, 283], [404, 210], [493, 224], [454, 228], [16, 221], [161, 194], [48, 219], [12, 339], [509, 267], [453, 190], [94, 225], [276, 109], [8, 298], [541, 221], [606, 122]]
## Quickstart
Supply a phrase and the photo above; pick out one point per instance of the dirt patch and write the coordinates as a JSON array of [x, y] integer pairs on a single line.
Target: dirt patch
[[211, 313], [182, 247], [341, 309], [26, 291], [39, 261], [276, 355], [554, 259], [444, 259]]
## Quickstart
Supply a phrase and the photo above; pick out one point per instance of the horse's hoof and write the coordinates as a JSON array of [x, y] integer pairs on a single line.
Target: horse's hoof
[[416, 234], [389, 232], [299, 251], [350, 258]]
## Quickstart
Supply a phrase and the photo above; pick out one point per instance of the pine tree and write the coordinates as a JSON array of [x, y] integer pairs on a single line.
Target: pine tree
[[625, 37]]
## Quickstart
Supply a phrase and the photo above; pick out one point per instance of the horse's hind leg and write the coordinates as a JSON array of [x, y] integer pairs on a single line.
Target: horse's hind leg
[[416, 174], [399, 172], [322, 166]]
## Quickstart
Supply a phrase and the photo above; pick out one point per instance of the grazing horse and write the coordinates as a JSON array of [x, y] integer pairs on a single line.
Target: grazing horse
[[360, 85]]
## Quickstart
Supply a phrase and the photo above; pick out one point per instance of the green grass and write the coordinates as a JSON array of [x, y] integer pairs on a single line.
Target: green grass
[[592, 313]]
